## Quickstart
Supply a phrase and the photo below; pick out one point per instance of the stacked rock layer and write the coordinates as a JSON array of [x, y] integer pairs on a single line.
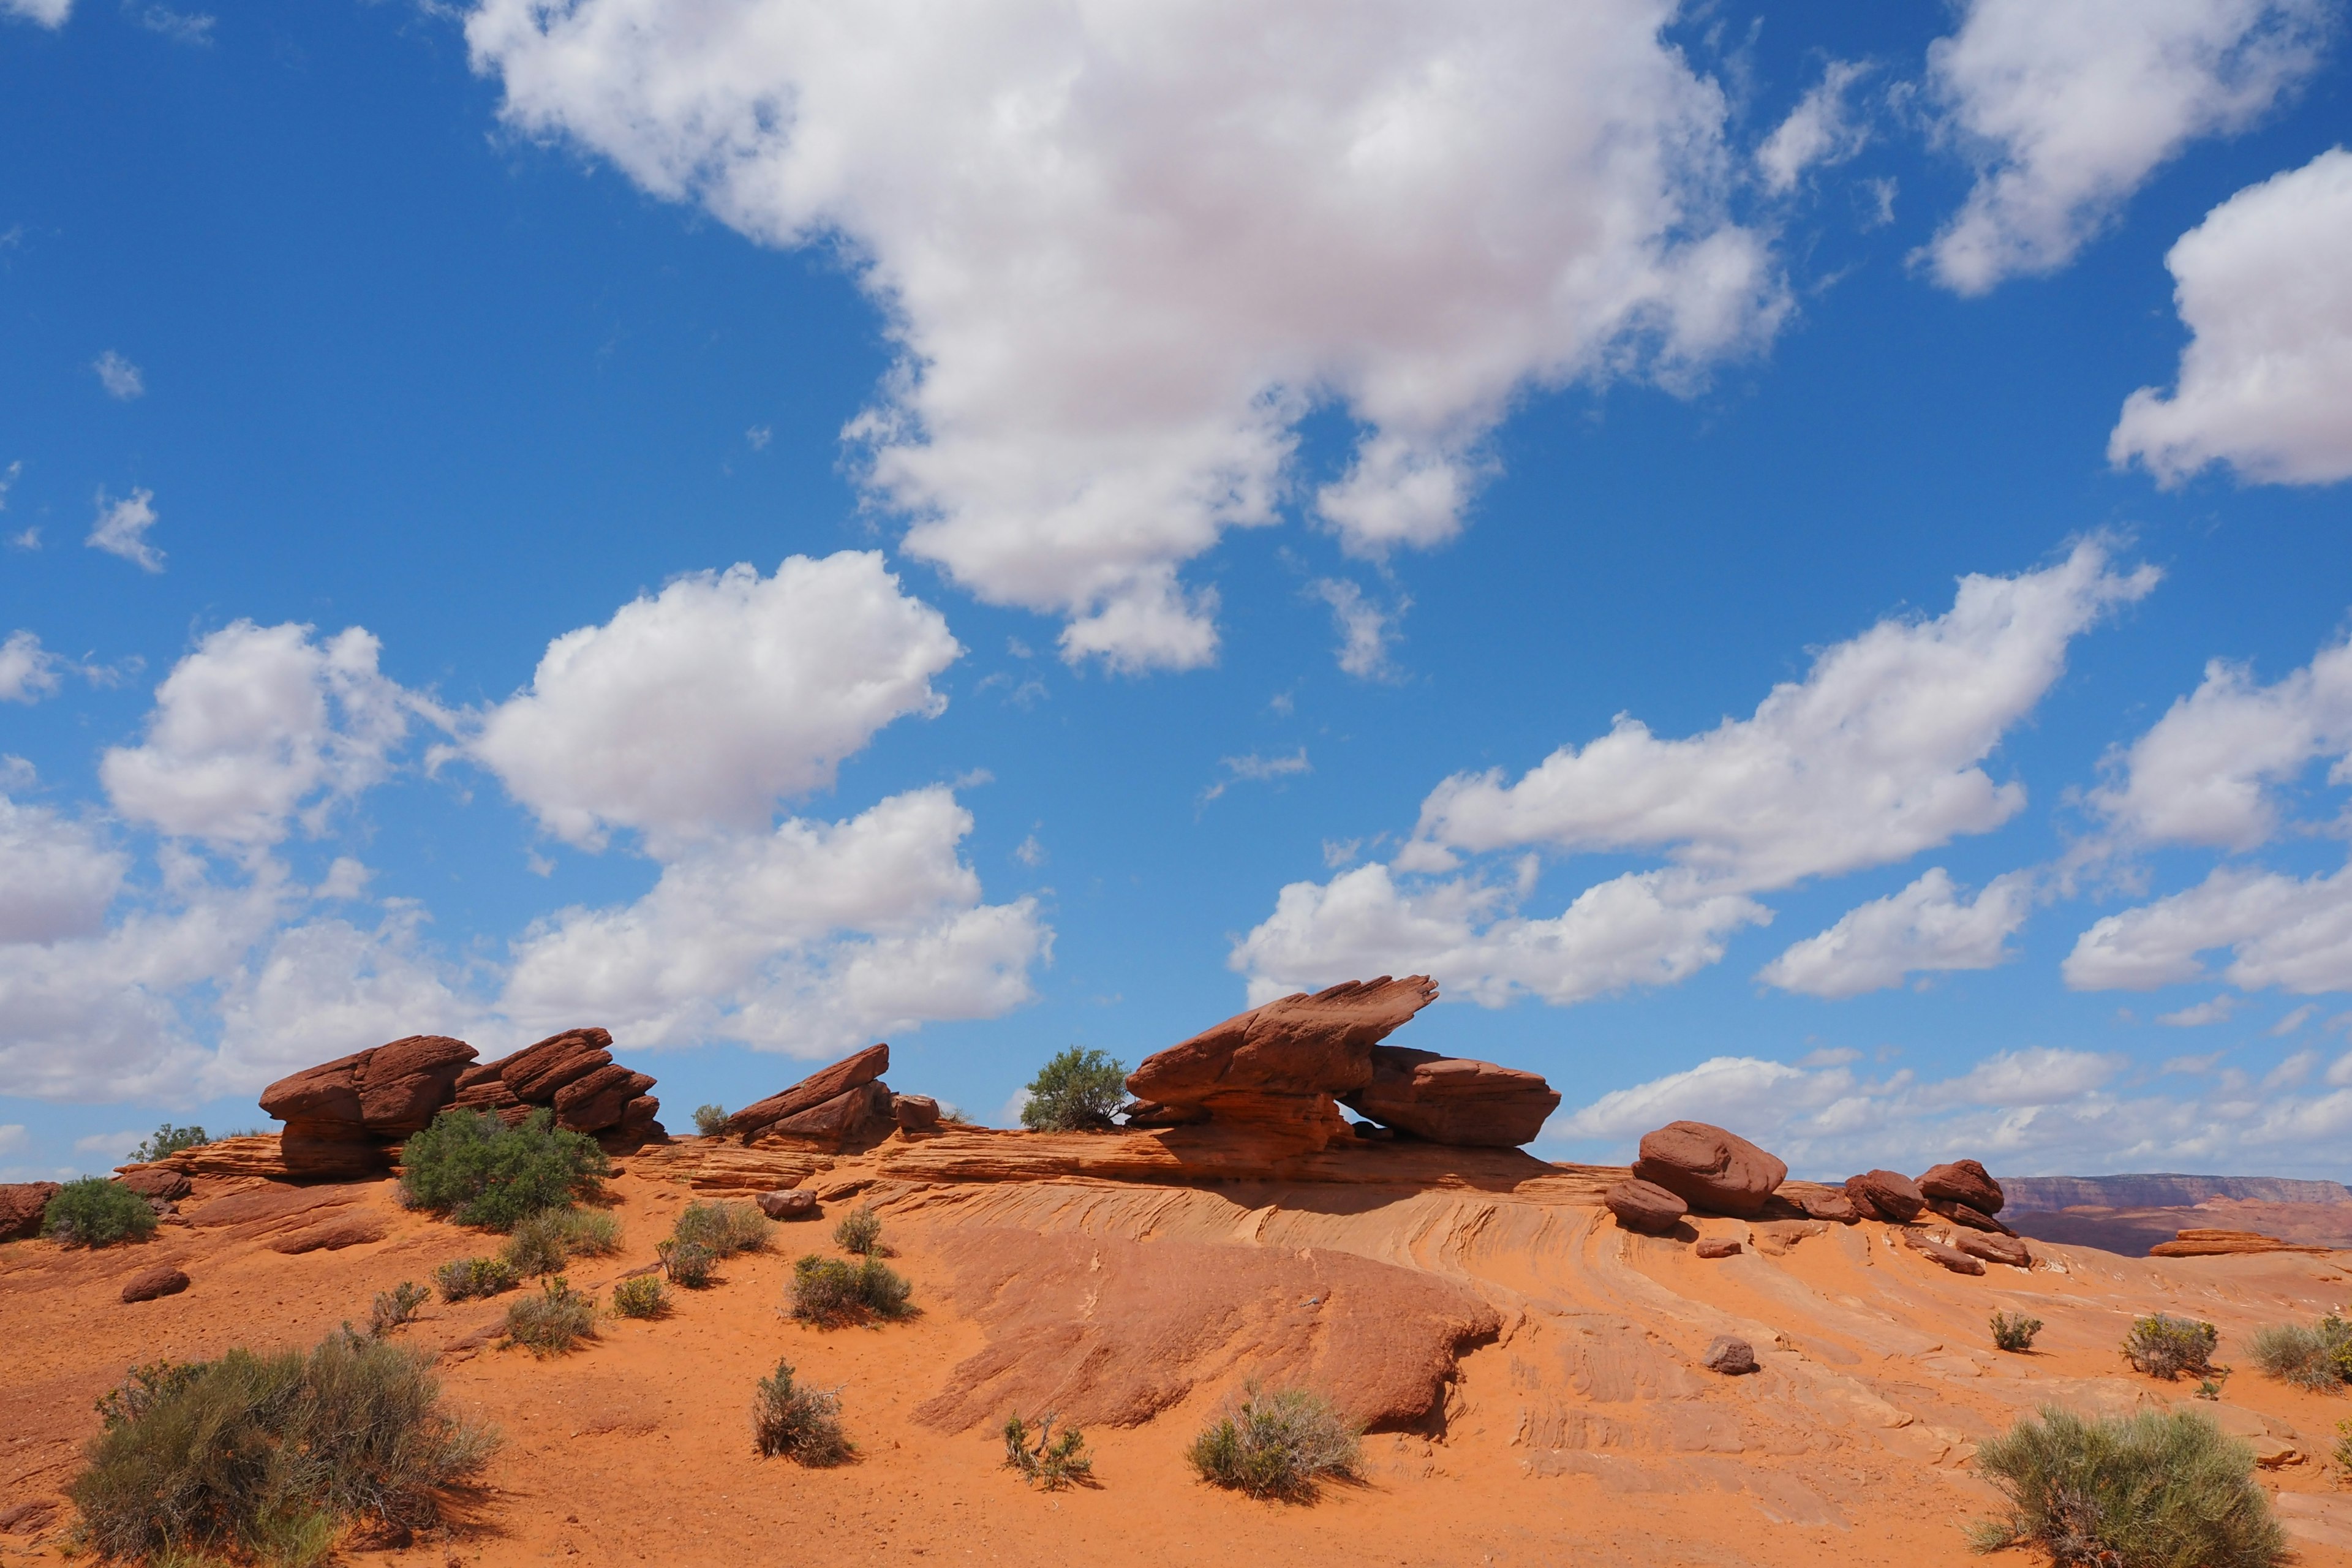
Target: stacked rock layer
[[846, 1106]]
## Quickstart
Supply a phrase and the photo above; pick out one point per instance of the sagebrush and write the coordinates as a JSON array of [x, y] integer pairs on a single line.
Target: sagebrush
[[860, 1231], [467, 1278], [795, 1423], [726, 1229], [554, 1321], [2317, 1357], [1043, 1459], [709, 1121], [395, 1307], [688, 1264], [832, 1291], [544, 1241], [2165, 1346], [271, 1455], [643, 1296], [1075, 1090], [2014, 1331], [2159, 1489], [473, 1167], [1278, 1445], [95, 1212]]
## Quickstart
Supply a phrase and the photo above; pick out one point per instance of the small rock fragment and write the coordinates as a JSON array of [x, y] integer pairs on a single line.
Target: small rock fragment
[[793, 1203], [1729, 1356], [1717, 1246], [149, 1283]]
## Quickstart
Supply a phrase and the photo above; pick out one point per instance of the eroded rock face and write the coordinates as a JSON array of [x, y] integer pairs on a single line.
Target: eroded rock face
[[1709, 1168], [1454, 1099], [1885, 1194], [21, 1205], [403, 1085], [1644, 1207], [853, 1116], [852, 1072], [1963, 1181], [538, 1070]]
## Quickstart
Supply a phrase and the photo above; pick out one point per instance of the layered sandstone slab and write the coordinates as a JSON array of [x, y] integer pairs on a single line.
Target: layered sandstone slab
[[1454, 1099], [819, 1089], [2201, 1242]]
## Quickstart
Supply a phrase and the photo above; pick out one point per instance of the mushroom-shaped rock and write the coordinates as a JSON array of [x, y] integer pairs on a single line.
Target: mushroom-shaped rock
[[2006, 1249], [404, 1084], [850, 1072], [149, 1283], [915, 1113], [1717, 1246], [1709, 1168], [1885, 1194], [538, 1070], [1452, 1099], [1644, 1207], [1951, 1257], [793, 1203], [1963, 1181], [1728, 1356], [22, 1204]]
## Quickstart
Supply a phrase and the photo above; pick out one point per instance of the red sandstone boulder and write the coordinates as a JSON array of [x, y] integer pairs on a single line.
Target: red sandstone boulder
[[1717, 1246], [403, 1085], [1963, 1181], [2006, 1249], [850, 1072], [1951, 1257], [1299, 1045], [328, 1092], [851, 1116], [1885, 1194], [154, 1182], [1961, 1214], [794, 1203], [536, 1071], [149, 1283], [915, 1113], [1644, 1207], [1835, 1208], [596, 1101], [21, 1205], [1451, 1100], [1709, 1168], [1728, 1356]]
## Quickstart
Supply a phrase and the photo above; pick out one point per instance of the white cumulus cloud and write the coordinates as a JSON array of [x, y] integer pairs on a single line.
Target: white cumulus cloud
[[2265, 384], [57, 876], [2288, 931], [1124, 250], [1926, 926], [695, 711], [2066, 109], [46, 12], [121, 526], [28, 671]]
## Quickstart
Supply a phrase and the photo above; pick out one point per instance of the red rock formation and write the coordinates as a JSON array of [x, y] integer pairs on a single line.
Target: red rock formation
[[536, 1071], [1644, 1207], [1961, 1214], [1450, 1100], [1885, 1194], [792, 1204], [149, 1283], [153, 1181], [1994, 1248], [404, 1084], [1709, 1168], [1717, 1246], [2201, 1242], [1951, 1257], [21, 1205], [1963, 1181], [915, 1113], [1298, 1045], [850, 1073], [1831, 1205]]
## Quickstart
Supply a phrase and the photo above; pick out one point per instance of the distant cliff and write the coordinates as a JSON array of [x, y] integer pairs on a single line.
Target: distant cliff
[[2162, 1190]]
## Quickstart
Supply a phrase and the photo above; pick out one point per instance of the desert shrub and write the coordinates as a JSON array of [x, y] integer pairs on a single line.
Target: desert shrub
[[2014, 1331], [725, 1228], [95, 1212], [711, 1121], [2159, 1489], [2318, 1357], [860, 1231], [395, 1307], [688, 1263], [467, 1278], [2164, 1347], [145, 1387], [1050, 1462], [832, 1291], [801, 1424], [554, 1321], [1076, 1090], [168, 1141], [271, 1455], [472, 1166], [643, 1296], [1277, 1445], [544, 1241], [2342, 1452]]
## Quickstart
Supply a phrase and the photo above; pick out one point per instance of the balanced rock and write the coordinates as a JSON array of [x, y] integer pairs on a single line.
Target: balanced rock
[[1452, 1099], [149, 1283], [2006, 1249], [1717, 1246], [1885, 1194], [1644, 1207], [1729, 1356], [1709, 1168], [22, 1205], [1963, 1181], [796, 1203], [852, 1072]]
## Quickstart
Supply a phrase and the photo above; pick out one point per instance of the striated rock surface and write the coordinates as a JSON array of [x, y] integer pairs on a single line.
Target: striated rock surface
[[1962, 1182], [1644, 1207], [1885, 1194], [1709, 1168], [1452, 1099], [164, 1279], [21, 1204]]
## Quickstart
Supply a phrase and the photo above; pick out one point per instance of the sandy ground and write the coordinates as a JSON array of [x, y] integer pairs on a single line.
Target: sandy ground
[[1582, 1430]]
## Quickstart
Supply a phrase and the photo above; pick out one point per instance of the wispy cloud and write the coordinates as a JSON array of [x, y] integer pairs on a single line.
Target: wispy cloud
[[120, 378], [2214, 1010], [1367, 632], [1254, 769], [122, 529]]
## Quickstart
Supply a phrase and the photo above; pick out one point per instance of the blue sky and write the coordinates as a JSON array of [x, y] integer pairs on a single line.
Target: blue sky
[[1189, 469]]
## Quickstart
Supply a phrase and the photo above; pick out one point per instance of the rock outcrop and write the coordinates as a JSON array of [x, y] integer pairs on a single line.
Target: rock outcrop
[[1951, 1257], [1885, 1196], [21, 1206], [1709, 1168], [844, 1106], [155, 1183], [1644, 1207], [1454, 1099], [1962, 1182], [915, 1113], [1961, 1214]]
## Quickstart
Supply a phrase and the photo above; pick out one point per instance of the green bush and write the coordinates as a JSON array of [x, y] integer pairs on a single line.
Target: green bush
[[860, 1231], [688, 1264], [641, 1296], [2165, 1347], [725, 1228], [396, 1306], [471, 1277], [801, 1424], [544, 1241], [2014, 1331], [145, 1387], [1278, 1445], [830, 1291], [472, 1166], [554, 1321], [711, 1121], [2159, 1489], [2317, 1358], [168, 1141], [1050, 1462], [271, 1455], [1076, 1090], [96, 1212]]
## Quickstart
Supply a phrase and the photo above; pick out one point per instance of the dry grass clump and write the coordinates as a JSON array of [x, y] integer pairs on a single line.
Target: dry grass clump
[[831, 1292], [643, 1296], [2014, 1332], [271, 1456], [554, 1321], [2159, 1489], [2317, 1358], [396, 1306], [860, 1231], [726, 1229], [800, 1424], [467, 1277], [1049, 1462], [2165, 1346], [1279, 1445], [544, 1241], [95, 1212]]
